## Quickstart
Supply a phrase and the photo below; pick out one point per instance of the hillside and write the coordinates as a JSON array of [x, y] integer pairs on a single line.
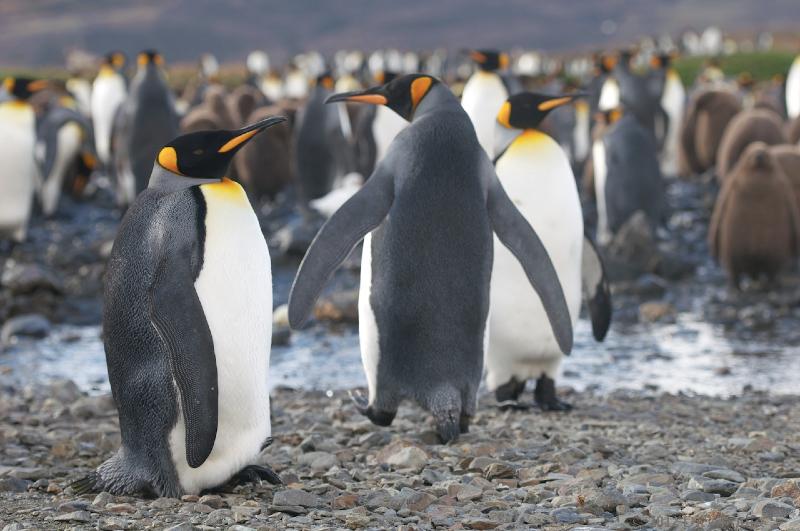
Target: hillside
[[36, 33]]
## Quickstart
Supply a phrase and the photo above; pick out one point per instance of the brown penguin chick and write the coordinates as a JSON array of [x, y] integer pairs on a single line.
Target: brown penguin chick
[[755, 226], [264, 165], [793, 131], [714, 109], [788, 157], [200, 118], [243, 101], [747, 127]]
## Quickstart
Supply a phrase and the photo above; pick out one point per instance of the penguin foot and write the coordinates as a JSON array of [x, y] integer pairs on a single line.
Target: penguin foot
[[86, 484], [267, 443], [255, 474], [545, 396], [463, 423], [513, 405], [379, 418]]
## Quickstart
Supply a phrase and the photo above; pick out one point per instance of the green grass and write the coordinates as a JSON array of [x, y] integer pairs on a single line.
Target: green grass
[[761, 65]]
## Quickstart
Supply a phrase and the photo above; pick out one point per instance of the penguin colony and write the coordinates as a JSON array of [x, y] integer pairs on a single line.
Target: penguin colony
[[476, 254]]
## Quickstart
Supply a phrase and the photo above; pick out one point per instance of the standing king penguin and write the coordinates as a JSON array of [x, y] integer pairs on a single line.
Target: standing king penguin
[[18, 173], [484, 94], [187, 323], [108, 93], [146, 121], [428, 212], [673, 101], [793, 90], [536, 174]]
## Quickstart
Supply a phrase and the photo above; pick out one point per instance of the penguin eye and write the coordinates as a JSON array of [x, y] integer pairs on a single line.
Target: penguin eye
[[198, 152]]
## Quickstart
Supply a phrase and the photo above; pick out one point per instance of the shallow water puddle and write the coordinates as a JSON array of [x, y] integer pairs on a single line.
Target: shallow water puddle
[[688, 355]]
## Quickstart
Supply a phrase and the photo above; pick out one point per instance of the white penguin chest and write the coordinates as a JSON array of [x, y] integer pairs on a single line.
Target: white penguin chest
[[600, 177], [385, 127], [483, 96], [18, 171], [793, 90], [235, 290], [536, 174]]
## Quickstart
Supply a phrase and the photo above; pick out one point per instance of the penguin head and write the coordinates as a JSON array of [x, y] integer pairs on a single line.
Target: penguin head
[[490, 60], [757, 159], [115, 60], [325, 80], [207, 154], [662, 60], [149, 57], [526, 110], [609, 117], [402, 94], [22, 88], [606, 63]]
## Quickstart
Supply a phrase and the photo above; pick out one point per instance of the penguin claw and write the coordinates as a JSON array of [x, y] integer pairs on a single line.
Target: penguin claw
[[359, 400]]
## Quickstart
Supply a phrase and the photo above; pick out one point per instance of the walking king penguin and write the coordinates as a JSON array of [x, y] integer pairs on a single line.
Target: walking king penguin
[[146, 121], [537, 176], [187, 323], [428, 212], [108, 93], [18, 172], [484, 94]]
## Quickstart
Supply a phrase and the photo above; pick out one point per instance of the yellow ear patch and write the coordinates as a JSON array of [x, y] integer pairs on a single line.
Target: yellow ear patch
[[504, 115], [419, 87], [504, 61], [8, 84], [159, 59], [168, 158], [118, 60], [478, 57], [142, 59], [39, 84], [552, 104], [237, 141], [327, 82]]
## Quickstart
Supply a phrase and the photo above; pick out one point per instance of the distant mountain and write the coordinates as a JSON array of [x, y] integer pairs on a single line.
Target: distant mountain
[[40, 32]]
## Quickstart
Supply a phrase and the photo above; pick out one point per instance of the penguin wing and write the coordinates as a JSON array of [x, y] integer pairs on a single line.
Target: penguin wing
[[337, 238], [177, 314], [515, 232], [595, 289]]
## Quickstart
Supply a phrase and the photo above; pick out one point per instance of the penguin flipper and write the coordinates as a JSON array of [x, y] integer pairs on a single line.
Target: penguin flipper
[[177, 314], [595, 289], [518, 236], [336, 239]]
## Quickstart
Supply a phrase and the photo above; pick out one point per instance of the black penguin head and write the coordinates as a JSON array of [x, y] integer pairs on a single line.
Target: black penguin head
[[625, 57], [605, 63], [490, 60], [149, 57], [526, 110], [115, 60], [609, 117], [207, 154], [22, 88], [403, 94]]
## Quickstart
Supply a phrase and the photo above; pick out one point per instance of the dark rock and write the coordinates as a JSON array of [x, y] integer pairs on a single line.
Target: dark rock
[[34, 325]]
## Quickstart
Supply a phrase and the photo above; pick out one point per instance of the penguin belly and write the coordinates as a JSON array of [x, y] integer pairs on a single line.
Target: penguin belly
[[581, 134], [609, 95], [793, 90], [482, 98], [108, 93], [537, 176], [600, 174], [235, 290], [672, 102], [18, 172], [367, 324], [69, 143], [386, 125]]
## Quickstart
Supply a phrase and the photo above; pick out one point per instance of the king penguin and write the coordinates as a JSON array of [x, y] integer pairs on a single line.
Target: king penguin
[[428, 212], [484, 94], [18, 173], [65, 152], [535, 172], [108, 93], [187, 325], [145, 122], [673, 101]]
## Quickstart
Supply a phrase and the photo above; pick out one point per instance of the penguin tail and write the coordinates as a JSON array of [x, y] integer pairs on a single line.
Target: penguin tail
[[87, 484]]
